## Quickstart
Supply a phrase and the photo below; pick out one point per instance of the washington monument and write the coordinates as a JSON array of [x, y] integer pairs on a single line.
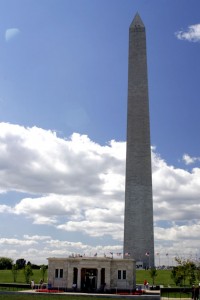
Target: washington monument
[[138, 223]]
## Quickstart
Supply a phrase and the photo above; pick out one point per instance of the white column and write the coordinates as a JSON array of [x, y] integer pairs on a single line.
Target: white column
[[79, 279], [107, 277], [98, 278]]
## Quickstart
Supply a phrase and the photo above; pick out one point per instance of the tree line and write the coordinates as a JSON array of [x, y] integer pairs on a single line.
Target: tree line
[[7, 263], [185, 273]]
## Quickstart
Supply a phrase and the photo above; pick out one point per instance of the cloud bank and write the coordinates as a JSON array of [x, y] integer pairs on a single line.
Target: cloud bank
[[75, 185]]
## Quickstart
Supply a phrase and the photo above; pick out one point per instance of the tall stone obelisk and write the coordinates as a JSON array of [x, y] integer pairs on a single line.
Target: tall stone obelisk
[[138, 223]]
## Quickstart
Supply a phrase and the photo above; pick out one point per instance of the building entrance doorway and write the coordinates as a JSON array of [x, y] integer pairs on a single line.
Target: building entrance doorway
[[88, 280]]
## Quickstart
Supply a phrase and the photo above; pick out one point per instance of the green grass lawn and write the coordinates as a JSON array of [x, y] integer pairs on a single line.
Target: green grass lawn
[[7, 277], [163, 278]]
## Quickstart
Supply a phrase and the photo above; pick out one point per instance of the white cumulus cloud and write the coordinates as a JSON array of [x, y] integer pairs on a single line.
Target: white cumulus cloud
[[189, 159], [76, 186], [192, 34]]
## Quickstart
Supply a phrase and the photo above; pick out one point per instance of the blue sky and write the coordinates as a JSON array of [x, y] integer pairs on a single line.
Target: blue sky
[[63, 98]]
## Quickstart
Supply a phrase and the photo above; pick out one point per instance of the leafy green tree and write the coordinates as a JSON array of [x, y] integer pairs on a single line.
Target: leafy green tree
[[6, 263], [28, 273], [153, 274], [198, 273], [35, 267], [43, 270], [21, 262], [185, 271], [176, 276], [15, 271]]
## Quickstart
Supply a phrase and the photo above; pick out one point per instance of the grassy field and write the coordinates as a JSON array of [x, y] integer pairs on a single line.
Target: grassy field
[[7, 277], [163, 277]]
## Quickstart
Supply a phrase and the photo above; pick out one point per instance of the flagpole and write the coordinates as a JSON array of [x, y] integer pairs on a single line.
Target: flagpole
[[158, 254], [149, 261], [159, 260], [148, 254]]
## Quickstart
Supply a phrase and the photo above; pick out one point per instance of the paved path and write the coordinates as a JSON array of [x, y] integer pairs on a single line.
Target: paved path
[[151, 295]]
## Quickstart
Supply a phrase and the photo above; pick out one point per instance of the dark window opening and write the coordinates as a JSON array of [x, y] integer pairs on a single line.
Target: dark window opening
[[75, 275], [61, 273], [124, 274], [56, 273], [102, 276]]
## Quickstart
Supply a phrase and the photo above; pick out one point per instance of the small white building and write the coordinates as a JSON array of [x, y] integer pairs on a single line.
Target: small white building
[[91, 274]]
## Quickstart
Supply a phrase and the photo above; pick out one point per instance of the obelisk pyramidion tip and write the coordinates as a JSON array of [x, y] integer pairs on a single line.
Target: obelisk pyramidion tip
[[137, 21]]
